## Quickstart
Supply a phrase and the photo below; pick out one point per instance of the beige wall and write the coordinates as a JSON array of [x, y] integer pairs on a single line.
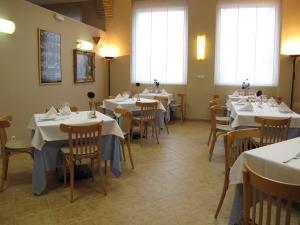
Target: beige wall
[[21, 95], [202, 18]]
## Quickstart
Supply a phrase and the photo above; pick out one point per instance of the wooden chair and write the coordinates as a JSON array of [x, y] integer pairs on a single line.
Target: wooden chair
[[10, 147], [179, 106], [164, 101], [218, 128], [221, 119], [96, 103], [235, 143], [273, 130], [267, 193], [125, 124], [72, 108], [216, 97], [278, 99], [147, 116], [84, 143]]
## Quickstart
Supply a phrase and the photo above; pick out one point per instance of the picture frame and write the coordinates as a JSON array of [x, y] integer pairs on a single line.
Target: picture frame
[[49, 57], [84, 66]]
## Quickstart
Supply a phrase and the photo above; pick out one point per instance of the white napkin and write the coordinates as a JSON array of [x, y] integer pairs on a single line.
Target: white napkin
[[272, 102], [118, 96], [283, 108], [236, 94], [67, 111], [242, 101], [125, 96], [51, 114], [164, 92], [146, 91], [247, 108]]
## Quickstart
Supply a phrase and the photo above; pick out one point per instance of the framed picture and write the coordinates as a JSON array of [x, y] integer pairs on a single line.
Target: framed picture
[[49, 57], [84, 66]]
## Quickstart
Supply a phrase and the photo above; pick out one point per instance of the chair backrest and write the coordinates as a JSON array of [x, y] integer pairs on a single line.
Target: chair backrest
[[278, 99], [181, 97], [148, 110], [236, 142], [97, 104], [216, 96], [5, 122], [84, 141], [267, 193], [214, 112], [273, 130], [126, 119], [163, 99], [212, 103]]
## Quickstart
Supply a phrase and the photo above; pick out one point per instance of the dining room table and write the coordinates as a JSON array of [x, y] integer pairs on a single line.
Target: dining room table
[[48, 139], [130, 104], [245, 119], [152, 95], [277, 161]]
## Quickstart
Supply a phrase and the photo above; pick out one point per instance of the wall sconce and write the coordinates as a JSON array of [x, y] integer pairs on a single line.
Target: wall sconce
[[7, 26], [201, 47], [84, 45]]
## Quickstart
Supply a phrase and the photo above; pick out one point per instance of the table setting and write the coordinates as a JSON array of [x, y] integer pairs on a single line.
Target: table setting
[[47, 139]]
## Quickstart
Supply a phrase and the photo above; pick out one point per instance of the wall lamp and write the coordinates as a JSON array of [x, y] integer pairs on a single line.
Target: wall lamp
[[201, 47], [7, 26], [84, 45]]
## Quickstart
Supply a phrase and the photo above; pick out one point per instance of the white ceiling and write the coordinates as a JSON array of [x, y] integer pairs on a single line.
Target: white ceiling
[[48, 2]]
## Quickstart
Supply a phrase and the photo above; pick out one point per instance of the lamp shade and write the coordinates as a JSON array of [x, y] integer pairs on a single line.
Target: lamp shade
[[7, 26], [201, 47]]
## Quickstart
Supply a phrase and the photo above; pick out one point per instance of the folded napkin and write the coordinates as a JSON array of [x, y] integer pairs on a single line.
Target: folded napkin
[[66, 110], [236, 94], [125, 95], [247, 108], [146, 91], [164, 92], [242, 101], [118, 96], [272, 102], [283, 108], [51, 114]]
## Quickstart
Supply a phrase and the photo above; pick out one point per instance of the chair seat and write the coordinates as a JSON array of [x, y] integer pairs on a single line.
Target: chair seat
[[17, 145], [224, 127], [223, 118]]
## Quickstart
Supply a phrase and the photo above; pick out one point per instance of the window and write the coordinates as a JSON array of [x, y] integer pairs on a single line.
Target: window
[[247, 42], [159, 42]]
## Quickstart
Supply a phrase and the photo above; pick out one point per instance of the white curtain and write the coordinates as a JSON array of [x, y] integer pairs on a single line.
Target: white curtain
[[159, 42], [247, 42]]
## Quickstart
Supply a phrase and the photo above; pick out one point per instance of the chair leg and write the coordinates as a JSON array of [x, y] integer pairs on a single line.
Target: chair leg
[[129, 153], [155, 129], [166, 125], [93, 169], [65, 171], [141, 133], [101, 176], [6, 166], [4, 170], [71, 163], [209, 138], [225, 188], [181, 114], [212, 145], [106, 169]]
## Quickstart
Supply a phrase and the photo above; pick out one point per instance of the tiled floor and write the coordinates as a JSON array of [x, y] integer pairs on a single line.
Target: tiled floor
[[172, 183]]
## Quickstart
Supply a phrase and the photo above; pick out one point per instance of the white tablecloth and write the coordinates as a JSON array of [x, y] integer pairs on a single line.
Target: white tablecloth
[[50, 131], [243, 118], [268, 161], [152, 95], [129, 104]]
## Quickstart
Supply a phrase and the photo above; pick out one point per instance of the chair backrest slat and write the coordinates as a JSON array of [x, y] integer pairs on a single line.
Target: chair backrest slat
[[273, 130], [276, 196], [148, 110], [84, 140]]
